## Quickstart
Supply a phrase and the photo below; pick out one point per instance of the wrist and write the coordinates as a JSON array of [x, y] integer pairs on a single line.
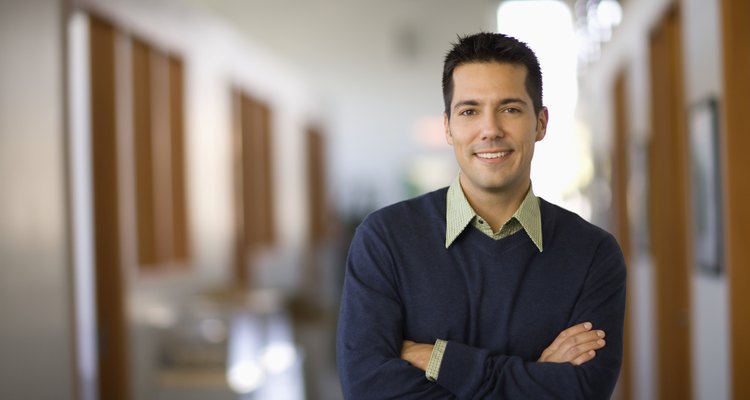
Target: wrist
[[436, 359]]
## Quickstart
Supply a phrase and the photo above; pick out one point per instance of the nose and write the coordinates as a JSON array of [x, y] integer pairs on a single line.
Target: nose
[[491, 128]]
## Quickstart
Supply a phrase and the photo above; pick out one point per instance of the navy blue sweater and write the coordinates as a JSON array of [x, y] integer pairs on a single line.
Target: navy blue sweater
[[499, 303]]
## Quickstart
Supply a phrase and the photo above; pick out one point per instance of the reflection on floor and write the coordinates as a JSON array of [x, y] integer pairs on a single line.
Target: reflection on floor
[[248, 346]]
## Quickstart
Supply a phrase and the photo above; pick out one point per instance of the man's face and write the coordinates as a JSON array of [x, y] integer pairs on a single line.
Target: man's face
[[493, 128]]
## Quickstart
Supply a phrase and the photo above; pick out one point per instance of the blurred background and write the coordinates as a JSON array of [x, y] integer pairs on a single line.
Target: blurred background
[[180, 179]]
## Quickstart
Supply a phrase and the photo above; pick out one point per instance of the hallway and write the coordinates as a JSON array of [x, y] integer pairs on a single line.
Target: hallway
[[180, 180]]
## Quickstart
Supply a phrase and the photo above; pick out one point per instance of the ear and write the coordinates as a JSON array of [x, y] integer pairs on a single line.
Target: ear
[[541, 124], [447, 127]]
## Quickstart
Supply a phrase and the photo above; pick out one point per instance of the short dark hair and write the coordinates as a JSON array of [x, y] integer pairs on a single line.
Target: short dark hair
[[488, 47]]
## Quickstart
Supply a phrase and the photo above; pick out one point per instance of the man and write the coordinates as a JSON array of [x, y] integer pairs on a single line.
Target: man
[[482, 289]]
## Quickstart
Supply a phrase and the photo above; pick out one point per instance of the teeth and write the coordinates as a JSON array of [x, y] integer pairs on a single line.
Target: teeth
[[492, 155]]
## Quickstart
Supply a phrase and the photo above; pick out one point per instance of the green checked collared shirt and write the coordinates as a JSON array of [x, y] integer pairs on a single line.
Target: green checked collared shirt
[[459, 215]]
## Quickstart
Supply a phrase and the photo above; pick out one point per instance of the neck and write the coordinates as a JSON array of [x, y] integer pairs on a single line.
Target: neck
[[496, 207]]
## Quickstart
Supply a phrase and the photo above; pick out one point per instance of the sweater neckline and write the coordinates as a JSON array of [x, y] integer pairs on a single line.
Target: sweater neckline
[[486, 244]]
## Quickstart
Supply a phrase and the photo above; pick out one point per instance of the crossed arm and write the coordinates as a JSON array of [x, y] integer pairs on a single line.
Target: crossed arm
[[576, 345], [377, 361]]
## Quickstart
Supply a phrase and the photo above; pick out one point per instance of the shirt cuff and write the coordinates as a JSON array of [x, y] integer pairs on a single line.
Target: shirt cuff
[[436, 358]]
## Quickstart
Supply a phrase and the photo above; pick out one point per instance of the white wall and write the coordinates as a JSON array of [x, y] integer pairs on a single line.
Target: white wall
[[35, 305], [377, 66], [702, 78], [710, 313]]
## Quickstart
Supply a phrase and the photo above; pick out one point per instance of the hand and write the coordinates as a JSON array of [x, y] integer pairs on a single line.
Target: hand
[[416, 354], [576, 345]]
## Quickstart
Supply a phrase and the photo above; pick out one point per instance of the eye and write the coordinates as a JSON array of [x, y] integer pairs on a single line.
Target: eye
[[512, 110], [468, 112]]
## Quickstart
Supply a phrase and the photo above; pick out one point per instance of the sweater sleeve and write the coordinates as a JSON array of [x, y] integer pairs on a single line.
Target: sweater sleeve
[[474, 373], [370, 330]]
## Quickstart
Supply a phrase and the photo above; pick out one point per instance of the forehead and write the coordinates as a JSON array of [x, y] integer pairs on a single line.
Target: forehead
[[489, 78]]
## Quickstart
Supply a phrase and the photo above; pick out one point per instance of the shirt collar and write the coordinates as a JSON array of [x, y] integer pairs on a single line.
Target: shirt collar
[[459, 214]]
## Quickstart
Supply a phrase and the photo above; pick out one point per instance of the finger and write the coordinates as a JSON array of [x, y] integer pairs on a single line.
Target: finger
[[572, 331], [545, 354], [575, 352], [549, 353], [579, 339], [585, 357], [577, 345], [583, 337]]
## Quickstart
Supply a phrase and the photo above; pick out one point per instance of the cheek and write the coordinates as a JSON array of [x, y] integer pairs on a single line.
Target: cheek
[[530, 151], [461, 154], [449, 138], [461, 135]]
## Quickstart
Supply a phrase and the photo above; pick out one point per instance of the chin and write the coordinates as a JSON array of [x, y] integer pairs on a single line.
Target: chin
[[496, 189], [497, 186], [489, 186]]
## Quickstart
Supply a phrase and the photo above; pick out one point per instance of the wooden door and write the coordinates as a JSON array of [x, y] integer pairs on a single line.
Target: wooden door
[[735, 139], [621, 220], [113, 361], [668, 210]]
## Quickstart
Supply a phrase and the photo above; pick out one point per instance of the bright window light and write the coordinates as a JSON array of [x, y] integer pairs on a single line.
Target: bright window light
[[561, 166], [245, 376], [278, 357], [244, 372]]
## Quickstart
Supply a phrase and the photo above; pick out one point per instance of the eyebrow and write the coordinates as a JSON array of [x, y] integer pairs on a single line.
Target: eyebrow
[[503, 102]]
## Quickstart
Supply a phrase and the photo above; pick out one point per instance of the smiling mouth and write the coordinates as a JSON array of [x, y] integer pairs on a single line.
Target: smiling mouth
[[491, 156]]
